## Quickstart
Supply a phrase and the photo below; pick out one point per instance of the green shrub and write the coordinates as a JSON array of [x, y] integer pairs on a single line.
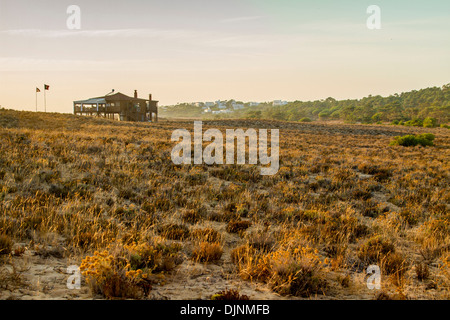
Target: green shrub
[[324, 114], [414, 123], [377, 117], [445, 126], [425, 139], [305, 120], [430, 123]]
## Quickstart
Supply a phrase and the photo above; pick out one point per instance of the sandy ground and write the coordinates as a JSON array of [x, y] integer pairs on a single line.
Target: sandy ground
[[33, 277], [41, 274]]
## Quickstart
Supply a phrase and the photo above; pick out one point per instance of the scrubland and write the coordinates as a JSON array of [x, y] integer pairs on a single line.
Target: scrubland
[[105, 196]]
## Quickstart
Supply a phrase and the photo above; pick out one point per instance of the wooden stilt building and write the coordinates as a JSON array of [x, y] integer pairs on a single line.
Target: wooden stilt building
[[119, 106]]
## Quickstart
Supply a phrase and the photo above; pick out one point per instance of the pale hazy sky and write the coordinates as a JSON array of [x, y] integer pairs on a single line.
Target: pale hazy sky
[[205, 50]]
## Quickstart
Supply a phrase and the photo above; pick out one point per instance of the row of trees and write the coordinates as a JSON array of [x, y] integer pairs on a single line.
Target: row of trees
[[433, 103]]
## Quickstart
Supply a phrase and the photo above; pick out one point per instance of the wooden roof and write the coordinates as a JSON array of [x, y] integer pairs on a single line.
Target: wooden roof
[[110, 98], [121, 97]]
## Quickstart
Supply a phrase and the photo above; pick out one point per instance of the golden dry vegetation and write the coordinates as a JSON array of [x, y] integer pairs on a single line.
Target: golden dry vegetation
[[106, 196]]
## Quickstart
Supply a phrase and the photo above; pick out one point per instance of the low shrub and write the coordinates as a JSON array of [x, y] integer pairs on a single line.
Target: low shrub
[[394, 264], [422, 271], [410, 217], [113, 278], [154, 257], [261, 241], [425, 139], [5, 244], [380, 174], [290, 270], [382, 252], [125, 272], [206, 235], [84, 239], [207, 252], [229, 295], [430, 123], [174, 231], [237, 226], [242, 254], [374, 249], [191, 216], [336, 228], [414, 123]]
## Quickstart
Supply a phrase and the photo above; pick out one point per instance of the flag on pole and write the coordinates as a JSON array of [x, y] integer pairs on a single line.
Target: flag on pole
[[46, 87], [37, 90]]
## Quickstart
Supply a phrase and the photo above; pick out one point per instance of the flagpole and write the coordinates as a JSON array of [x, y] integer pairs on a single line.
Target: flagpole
[[45, 101], [36, 98]]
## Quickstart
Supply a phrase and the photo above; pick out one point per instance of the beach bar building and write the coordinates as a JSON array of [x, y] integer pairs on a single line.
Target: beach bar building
[[119, 106]]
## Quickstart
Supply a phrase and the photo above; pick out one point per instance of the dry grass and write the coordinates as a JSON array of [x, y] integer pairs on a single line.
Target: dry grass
[[6, 244], [206, 235], [343, 199], [207, 252], [238, 226]]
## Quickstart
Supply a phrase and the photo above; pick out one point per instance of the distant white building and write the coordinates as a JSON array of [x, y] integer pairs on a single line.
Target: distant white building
[[237, 106], [221, 111], [277, 103], [209, 104], [207, 110], [221, 104], [253, 104]]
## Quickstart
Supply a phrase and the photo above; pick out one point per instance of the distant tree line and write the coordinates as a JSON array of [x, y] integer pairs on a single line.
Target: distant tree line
[[181, 110], [426, 107]]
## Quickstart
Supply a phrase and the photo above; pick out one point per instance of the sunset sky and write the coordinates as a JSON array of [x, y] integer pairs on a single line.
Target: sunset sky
[[205, 50]]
